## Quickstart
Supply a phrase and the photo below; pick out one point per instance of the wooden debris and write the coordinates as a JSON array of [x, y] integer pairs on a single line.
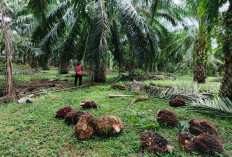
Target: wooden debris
[[31, 100], [24, 99], [137, 87], [138, 99], [119, 87], [114, 95]]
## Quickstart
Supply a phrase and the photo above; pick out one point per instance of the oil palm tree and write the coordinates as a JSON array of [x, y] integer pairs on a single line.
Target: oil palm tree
[[202, 37], [226, 87], [95, 19], [211, 10], [160, 15], [20, 22], [8, 52]]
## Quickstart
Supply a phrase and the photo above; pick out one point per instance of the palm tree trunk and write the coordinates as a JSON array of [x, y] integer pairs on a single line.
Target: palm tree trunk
[[131, 67], [122, 68], [226, 87], [44, 62], [32, 61], [8, 50], [200, 66], [24, 58], [64, 66], [100, 76], [160, 67]]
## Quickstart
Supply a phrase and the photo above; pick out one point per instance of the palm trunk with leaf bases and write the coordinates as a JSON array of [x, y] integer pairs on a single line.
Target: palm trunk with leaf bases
[[100, 73], [226, 87], [44, 62], [160, 67], [122, 68], [8, 51], [150, 68], [64, 66], [131, 68], [25, 58], [32, 61], [200, 65], [200, 69]]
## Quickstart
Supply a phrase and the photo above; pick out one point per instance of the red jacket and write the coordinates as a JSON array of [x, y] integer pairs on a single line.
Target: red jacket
[[79, 69]]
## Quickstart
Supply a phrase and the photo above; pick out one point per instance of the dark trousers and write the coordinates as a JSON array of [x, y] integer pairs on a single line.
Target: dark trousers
[[80, 79]]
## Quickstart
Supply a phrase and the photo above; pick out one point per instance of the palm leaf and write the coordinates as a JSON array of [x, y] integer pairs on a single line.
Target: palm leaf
[[39, 8], [220, 107], [153, 9], [118, 49], [97, 43], [136, 30]]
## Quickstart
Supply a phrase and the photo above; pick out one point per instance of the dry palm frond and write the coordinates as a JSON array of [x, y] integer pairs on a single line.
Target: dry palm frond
[[138, 99]]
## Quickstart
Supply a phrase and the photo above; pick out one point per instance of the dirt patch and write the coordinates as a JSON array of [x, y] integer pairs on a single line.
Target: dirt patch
[[20, 70], [146, 76], [37, 85]]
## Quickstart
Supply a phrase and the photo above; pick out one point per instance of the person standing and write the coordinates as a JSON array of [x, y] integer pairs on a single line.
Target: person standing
[[78, 70]]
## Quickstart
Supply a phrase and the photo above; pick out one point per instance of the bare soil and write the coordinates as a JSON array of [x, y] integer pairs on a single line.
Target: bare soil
[[37, 85]]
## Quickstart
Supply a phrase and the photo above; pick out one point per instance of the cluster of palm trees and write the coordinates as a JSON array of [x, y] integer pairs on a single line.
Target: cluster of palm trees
[[146, 34]]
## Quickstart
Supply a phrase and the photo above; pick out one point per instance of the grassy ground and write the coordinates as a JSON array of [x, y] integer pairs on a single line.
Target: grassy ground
[[211, 82], [31, 130], [23, 78]]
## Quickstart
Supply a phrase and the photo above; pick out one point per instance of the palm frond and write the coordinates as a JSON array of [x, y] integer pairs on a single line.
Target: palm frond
[[220, 107], [39, 8], [188, 91], [136, 30], [58, 30], [118, 49], [169, 17], [70, 43], [57, 13], [153, 9], [97, 43]]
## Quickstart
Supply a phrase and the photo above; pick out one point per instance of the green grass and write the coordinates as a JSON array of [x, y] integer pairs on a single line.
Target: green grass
[[23, 78], [31, 130], [185, 80]]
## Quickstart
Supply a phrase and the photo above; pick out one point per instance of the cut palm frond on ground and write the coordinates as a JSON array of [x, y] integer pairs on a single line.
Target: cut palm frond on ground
[[138, 99], [221, 107], [188, 92]]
